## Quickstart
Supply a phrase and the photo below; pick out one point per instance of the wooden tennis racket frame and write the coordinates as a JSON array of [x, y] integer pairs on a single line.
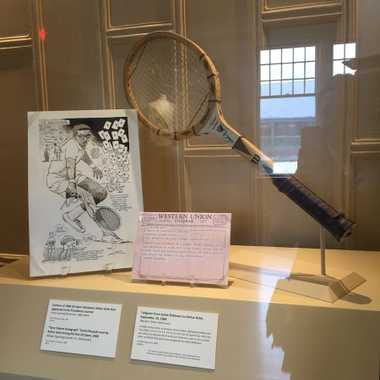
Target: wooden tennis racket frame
[[213, 121]]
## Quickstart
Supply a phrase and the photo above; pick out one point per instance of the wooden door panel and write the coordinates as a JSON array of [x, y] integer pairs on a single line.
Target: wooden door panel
[[225, 30], [15, 18], [73, 55], [366, 201], [158, 155], [18, 96], [142, 12], [223, 184]]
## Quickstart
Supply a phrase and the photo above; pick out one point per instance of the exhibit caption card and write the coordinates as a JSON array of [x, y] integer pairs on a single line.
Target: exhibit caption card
[[183, 247], [179, 337], [81, 328], [84, 190]]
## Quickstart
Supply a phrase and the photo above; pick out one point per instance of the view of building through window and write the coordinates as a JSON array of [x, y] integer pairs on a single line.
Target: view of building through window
[[287, 102]]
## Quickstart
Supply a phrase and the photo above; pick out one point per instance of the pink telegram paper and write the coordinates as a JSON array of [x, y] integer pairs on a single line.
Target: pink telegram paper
[[183, 247]]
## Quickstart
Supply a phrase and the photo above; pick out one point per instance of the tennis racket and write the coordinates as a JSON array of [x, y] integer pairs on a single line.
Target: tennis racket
[[175, 88]]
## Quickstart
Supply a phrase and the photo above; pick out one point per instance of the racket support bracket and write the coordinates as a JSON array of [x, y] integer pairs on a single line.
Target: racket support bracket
[[322, 247], [313, 281]]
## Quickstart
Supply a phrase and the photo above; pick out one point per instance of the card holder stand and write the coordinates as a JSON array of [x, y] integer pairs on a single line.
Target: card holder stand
[[108, 267], [164, 282], [65, 270], [192, 282]]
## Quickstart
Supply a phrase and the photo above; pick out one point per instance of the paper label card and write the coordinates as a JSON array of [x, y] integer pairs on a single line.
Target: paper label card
[[81, 328], [184, 247], [186, 338]]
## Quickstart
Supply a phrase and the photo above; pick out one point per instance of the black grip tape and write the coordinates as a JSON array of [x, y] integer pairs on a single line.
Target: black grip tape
[[332, 220]]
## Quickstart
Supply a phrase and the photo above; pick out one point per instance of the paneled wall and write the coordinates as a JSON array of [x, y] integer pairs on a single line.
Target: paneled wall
[[123, 23], [216, 177], [365, 146], [68, 54], [73, 55], [18, 95], [348, 179]]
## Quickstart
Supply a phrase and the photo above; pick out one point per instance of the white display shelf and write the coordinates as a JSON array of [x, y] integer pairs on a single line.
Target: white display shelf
[[264, 333]]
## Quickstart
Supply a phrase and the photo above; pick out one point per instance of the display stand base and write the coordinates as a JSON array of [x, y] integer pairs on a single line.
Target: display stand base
[[325, 288]]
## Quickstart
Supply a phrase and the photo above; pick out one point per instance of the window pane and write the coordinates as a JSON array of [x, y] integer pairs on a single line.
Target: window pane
[[287, 71], [310, 53], [287, 55], [282, 120], [299, 87], [350, 50], [338, 68], [299, 54], [310, 70], [275, 72], [285, 167], [310, 86], [264, 75], [264, 90], [286, 108], [347, 70], [275, 56], [299, 70], [275, 88], [264, 57], [287, 88], [338, 52]]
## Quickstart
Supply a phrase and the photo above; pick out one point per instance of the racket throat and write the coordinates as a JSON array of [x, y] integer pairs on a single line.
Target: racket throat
[[240, 147], [238, 142], [217, 127], [253, 154]]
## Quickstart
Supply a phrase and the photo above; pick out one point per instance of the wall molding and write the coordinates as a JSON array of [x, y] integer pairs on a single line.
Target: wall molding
[[365, 147], [8, 258], [143, 28], [301, 8], [301, 20], [40, 56], [305, 13], [206, 148], [115, 29], [13, 42], [213, 155]]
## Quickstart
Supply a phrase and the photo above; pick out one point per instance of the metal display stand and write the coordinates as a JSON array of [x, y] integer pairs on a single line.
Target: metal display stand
[[320, 286]]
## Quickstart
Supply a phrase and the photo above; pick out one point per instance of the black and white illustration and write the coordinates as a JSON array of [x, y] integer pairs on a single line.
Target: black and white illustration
[[84, 190]]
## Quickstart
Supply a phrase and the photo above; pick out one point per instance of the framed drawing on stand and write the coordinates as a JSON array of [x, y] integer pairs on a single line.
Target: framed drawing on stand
[[84, 190]]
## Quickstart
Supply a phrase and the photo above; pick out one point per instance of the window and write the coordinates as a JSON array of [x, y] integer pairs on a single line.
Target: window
[[342, 52], [287, 102]]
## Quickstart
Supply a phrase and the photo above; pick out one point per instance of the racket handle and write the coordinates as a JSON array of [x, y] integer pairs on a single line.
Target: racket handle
[[327, 216]]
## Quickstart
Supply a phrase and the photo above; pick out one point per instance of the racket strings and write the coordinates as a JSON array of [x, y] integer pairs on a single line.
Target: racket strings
[[169, 84], [141, 52], [198, 110]]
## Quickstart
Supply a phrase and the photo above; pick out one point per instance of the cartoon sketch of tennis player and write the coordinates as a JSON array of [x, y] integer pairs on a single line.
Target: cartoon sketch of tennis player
[[65, 179]]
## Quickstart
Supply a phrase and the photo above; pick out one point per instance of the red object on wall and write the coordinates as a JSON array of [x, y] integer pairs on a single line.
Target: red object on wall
[[42, 34]]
